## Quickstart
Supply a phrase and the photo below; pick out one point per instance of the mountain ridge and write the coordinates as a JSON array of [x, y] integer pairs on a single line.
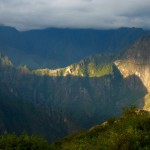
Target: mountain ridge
[[136, 61], [55, 48], [90, 92], [81, 101], [133, 61], [92, 66]]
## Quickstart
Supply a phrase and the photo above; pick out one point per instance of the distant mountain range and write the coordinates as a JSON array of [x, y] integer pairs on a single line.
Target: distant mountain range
[[74, 97], [55, 48]]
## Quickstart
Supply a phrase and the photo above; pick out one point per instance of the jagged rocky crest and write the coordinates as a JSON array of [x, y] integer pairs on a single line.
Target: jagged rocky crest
[[136, 61]]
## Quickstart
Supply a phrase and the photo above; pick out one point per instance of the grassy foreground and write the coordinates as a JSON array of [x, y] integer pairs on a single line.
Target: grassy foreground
[[131, 131]]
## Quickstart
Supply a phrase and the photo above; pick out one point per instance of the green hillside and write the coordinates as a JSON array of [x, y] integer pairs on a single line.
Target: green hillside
[[93, 66], [131, 131]]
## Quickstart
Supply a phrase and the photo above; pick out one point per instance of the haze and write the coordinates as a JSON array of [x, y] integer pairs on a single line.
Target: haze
[[99, 14]]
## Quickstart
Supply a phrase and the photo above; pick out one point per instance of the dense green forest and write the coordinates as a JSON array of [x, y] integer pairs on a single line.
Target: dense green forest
[[131, 131]]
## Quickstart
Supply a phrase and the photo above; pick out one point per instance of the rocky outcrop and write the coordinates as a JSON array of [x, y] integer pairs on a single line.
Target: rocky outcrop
[[136, 61], [92, 66]]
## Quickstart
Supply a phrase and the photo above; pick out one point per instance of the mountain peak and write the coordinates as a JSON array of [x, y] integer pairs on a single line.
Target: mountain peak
[[92, 66], [139, 51]]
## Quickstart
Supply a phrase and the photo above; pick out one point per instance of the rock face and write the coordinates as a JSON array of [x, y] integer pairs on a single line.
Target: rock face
[[136, 61], [77, 100]]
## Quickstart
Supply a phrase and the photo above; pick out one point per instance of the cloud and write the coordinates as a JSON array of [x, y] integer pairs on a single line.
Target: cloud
[[29, 14]]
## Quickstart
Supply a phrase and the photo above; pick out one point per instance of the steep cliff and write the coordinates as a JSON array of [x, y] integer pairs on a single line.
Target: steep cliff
[[136, 61], [77, 100]]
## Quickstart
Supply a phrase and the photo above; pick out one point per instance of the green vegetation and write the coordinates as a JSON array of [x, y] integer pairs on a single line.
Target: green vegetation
[[53, 107], [129, 132], [22, 142], [94, 66], [98, 71]]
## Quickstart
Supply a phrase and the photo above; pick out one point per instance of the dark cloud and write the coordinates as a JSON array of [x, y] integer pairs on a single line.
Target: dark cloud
[[28, 14]]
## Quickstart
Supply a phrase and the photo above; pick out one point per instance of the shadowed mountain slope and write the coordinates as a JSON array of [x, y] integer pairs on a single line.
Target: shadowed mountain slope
[[78, 96], [130, 131], [55, 48], [136, 61], [71, 102]]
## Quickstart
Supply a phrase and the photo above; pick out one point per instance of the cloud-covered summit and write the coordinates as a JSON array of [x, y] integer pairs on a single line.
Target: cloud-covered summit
[[29, 14]]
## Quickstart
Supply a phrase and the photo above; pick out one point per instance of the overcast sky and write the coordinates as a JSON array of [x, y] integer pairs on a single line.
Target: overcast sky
[[30, 14]]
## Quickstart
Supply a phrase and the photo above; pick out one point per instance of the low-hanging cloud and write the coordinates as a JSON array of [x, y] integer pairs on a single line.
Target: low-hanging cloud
[[29, 14]]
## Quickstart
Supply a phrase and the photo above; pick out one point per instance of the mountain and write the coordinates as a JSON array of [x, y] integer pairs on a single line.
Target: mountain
[[18, 115], [76, 97], [136, 61], [55, 48], [130, 131], [92, 66], [88, 96]]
